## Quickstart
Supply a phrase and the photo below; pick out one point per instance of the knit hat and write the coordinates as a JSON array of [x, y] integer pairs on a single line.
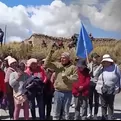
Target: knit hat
[[11, 60], [30, 61], [65, 54]]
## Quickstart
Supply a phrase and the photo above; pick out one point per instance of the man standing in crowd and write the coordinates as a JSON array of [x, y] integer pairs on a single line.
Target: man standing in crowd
[[66, 74], [1, 36], [92, 92]]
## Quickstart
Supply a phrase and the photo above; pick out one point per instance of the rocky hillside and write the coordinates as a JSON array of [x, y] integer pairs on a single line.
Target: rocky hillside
[[36, 39]]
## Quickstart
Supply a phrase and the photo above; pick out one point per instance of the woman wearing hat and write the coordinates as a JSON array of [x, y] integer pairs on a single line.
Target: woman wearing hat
[[80, 90], [9, 91], [33, 69], [16, 81], [108, 85]]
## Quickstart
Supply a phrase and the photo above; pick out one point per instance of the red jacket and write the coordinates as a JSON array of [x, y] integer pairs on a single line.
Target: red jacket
[[83, 80], [40, 71], [2, 83]]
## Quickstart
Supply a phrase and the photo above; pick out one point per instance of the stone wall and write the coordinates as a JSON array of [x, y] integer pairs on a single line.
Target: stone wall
[[37, 39]]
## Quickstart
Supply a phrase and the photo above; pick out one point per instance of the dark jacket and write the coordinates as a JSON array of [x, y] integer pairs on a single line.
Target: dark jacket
[[33, 85], [49, 86], [1, 35]]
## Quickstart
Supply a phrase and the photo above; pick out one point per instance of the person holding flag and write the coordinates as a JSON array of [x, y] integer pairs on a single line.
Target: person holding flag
[[81, 89]]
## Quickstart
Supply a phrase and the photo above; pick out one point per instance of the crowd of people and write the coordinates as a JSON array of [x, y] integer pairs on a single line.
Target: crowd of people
[[21, 83]]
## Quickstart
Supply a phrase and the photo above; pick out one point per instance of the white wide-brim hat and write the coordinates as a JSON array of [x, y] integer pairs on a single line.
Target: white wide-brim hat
[[107, 58], [7, 58], [11, 60]]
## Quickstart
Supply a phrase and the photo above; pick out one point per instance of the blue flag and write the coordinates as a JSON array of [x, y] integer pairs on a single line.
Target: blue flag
[[84, 44]]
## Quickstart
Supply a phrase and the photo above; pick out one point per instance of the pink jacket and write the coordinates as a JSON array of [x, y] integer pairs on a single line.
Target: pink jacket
[[40, 71]]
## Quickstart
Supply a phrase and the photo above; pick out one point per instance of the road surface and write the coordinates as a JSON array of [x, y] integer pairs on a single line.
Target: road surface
[[4, 115]]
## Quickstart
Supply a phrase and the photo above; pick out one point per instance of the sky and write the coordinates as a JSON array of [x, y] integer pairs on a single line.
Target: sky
[[61, 18]]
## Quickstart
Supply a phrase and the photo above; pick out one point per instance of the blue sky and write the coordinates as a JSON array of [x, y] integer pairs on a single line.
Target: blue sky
[[26, 2], [95, 31]]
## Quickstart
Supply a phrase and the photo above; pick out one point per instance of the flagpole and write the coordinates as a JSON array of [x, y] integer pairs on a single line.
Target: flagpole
[[87, 57], [5, 34]]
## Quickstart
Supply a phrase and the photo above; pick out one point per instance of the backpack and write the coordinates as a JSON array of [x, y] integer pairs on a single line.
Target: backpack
[[33, 85]]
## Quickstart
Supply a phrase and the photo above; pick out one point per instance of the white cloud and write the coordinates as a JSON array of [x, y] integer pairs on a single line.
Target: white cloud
[[56, 19], [85, 2], [14, 39], [59, 19], [109, 18], [16, 19]]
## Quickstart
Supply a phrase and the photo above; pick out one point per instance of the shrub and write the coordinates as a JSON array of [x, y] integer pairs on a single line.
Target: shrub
[[25, 51]]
